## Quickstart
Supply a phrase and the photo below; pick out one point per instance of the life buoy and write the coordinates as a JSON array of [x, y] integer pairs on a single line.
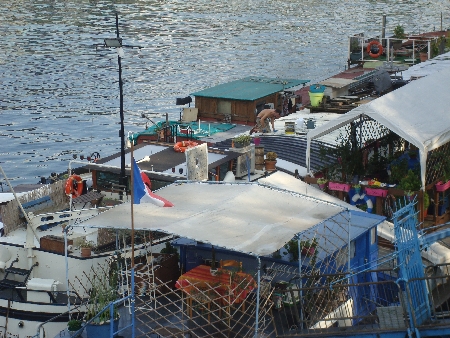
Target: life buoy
[[377, 46], [365, 198], [180, 147], [74, 186]]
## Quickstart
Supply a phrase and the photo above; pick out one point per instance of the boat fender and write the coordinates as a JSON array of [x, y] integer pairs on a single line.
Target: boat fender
[[365, 198]]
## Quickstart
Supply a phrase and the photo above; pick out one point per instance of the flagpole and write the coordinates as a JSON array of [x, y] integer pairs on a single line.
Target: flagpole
[[132, 206]]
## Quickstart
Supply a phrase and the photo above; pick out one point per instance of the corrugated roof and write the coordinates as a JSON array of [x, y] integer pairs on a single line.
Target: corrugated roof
[[249, 89]]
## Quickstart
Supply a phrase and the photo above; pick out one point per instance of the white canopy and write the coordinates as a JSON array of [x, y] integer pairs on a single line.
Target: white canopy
[[417, 112], [245, 217]]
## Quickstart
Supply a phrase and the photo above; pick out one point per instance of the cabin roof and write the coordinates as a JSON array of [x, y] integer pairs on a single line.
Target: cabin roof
[[249, 89]]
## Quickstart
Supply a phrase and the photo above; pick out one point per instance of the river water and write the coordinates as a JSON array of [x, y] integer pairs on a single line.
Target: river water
[[60, 94]]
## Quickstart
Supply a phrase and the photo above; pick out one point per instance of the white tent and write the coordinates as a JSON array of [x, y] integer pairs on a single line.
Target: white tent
[[417, 112], [244, 217]]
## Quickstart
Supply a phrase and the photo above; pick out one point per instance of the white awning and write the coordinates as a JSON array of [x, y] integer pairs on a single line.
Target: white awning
[[245, 217], [417, 112]]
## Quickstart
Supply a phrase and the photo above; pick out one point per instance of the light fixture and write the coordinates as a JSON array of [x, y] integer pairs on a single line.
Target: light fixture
[[113, 42]]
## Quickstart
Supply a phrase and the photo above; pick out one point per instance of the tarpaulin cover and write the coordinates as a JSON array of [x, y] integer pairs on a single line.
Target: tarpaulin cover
[[244, 217]]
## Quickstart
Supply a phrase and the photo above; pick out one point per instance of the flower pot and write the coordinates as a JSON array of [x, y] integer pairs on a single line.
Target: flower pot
[[322, 186], [241, 144], [86, 252], [442, 186], [101, 330], [423, 57], [73, 335], [376, 192], [270, 165], [257, 141], [335, 186]]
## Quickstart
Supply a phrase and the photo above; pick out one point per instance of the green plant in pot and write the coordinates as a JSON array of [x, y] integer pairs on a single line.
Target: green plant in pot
[[308, 248], [322, 182], [410, 183], [270, 161], [242, 140], [86, 247], [103, 292]]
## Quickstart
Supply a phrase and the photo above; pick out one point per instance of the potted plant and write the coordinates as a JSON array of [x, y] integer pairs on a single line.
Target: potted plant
[[410, 183], [242, 140], [102, 293], [73, 326], [322, 182], [307, 248], [271, 160], [399, 33], [86, 248]]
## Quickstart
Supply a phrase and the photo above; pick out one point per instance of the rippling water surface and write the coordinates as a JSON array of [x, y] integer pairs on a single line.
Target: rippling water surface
[[60, 94]]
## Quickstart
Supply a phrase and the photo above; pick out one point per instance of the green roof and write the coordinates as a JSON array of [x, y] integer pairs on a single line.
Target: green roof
[[249, 89]]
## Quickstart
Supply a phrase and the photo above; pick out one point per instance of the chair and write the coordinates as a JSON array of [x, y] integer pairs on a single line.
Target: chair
[[231, 263]]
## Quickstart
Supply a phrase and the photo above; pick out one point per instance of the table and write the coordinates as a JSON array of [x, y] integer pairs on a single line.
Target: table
[[226, 287]]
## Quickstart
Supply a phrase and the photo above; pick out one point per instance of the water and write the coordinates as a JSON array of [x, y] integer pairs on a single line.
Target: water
[[60, 94]]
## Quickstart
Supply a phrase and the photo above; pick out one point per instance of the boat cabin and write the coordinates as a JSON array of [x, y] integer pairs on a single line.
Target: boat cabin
[[163, 165], [239, 101]]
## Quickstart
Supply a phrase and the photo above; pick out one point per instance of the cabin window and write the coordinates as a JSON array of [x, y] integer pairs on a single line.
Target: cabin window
[[106, 179], [224, 107], [259, 107]]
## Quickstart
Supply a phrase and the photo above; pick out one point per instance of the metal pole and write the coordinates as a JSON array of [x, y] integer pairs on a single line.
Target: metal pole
[[257, 297], [122, 180], [132, 209]]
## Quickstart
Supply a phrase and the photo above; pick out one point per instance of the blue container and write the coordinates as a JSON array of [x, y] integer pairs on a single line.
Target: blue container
[[316, 88]]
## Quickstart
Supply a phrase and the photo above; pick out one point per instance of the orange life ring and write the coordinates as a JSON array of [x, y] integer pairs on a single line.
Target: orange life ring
[[378, 45], [74, 186], [180, 147]]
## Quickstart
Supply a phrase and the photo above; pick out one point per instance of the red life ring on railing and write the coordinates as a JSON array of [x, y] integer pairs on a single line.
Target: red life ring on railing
[[374, 43], [180, 147], [74, 186]]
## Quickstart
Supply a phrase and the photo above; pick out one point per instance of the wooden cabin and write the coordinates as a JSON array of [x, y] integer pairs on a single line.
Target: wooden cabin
[[239, 101]]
